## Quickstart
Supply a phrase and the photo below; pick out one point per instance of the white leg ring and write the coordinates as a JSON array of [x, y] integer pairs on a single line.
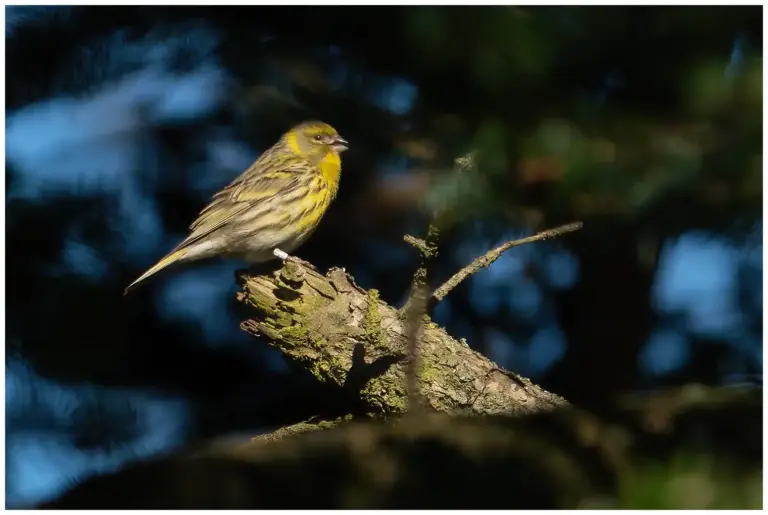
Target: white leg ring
[[280, 254]]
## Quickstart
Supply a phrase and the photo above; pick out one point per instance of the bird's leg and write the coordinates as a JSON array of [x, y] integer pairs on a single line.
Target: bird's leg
[[283, 256]]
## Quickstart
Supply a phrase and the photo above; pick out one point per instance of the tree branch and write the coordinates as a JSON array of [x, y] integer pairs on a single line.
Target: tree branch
[[489, 257], [346, 335], [415, 308], [300, 428], [662, 450]]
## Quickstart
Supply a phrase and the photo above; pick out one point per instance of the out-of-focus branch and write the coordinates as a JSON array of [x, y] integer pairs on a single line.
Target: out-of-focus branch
[[492, 255], [418, 302], [690, 448], [415, 309], [300, 428]]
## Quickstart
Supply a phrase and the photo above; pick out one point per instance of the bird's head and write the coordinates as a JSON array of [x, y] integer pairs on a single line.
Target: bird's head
[[315, 140]]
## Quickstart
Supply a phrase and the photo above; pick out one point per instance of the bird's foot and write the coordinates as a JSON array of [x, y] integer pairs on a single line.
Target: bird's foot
[[283, 256]]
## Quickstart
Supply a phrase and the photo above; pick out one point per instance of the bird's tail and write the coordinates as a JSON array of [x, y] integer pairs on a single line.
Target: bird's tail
[[171, 258]]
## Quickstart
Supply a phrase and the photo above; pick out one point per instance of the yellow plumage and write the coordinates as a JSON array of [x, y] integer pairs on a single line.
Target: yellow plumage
[[275, 204]]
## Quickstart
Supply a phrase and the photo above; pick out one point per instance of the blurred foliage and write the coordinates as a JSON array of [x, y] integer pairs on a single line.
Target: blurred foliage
[[643, 122], [669, 450], [689, 482]]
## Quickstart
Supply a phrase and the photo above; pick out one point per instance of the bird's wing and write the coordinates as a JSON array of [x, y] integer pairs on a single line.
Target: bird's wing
[[246, 192]]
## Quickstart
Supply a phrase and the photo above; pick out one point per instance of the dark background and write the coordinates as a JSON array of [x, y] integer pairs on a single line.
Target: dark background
[[643, 122]]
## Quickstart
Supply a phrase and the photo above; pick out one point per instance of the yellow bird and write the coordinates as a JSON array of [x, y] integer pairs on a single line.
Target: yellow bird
[[271, 208]]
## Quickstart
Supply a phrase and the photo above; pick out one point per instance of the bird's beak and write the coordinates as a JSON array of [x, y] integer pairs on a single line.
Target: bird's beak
[[339, 144]]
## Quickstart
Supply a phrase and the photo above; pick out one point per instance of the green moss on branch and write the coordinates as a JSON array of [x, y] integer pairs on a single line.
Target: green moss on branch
[[317, 321]]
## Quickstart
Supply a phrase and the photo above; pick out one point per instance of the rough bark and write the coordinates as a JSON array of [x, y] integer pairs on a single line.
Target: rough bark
[[348, 336]]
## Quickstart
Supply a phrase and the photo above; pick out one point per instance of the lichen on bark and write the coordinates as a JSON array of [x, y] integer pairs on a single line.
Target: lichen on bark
[[318, 321]]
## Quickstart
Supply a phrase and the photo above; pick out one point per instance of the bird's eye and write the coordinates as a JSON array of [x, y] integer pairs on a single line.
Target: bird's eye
[[318, 137]]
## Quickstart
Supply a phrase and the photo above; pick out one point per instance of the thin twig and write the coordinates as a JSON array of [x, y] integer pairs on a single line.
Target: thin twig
[[417, 243], [492, 255]]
